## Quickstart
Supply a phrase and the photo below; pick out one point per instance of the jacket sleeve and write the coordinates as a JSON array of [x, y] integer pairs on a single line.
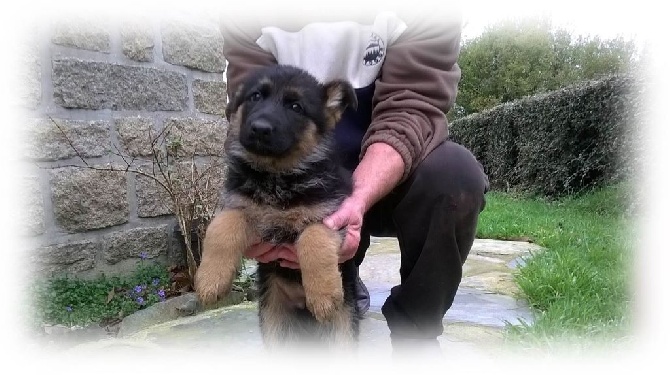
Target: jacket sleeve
[[416, 87], [241, 51]]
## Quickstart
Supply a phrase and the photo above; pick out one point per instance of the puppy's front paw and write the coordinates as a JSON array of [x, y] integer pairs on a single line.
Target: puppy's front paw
[[324, 305], [212, 283]]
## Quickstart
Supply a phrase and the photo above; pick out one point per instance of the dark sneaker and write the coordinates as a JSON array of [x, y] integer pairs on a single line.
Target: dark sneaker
[[362, 296]]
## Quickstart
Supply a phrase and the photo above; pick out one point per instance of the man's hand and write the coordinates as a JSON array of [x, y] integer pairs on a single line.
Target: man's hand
[[350, 217], [265, 252]]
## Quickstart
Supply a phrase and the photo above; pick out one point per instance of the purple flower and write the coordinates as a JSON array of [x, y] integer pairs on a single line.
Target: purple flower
[[161, 294], [138, 289], [144, 255], [68, 308], [155, 281], [140, 301]]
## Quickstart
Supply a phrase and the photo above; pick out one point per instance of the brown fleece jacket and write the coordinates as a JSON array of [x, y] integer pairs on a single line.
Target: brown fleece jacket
[[416, 86]]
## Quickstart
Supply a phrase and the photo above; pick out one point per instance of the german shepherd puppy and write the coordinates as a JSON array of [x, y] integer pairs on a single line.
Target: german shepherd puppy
[[283, 180]]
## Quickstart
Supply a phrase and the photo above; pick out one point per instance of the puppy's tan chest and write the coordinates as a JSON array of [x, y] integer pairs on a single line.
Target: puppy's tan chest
[[277, 224]]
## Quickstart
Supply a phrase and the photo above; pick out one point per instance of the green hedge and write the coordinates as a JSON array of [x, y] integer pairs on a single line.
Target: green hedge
[[561, 142]]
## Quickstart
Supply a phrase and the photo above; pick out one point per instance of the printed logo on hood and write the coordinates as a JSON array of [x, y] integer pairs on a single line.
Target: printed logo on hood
[[374, 51]]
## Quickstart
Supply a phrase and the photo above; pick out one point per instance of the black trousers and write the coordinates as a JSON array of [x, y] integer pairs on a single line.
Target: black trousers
[[434, 215]]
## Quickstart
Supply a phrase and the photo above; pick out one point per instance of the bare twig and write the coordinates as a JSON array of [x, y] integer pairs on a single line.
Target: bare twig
[[68, 140]]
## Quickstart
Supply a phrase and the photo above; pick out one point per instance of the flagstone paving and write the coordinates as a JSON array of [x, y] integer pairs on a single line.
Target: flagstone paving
[[487, 300]]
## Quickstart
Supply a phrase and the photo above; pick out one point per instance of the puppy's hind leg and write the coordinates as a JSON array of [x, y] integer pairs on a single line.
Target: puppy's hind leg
[[317, 248], [226, 239], [279, 301]]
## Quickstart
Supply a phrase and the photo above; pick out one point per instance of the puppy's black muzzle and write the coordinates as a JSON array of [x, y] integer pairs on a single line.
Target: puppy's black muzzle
[[259, 138], [266, 132], [261, 131]]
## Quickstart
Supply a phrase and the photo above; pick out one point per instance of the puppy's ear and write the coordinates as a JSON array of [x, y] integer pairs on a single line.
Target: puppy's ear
[[339, 95], [234, 102]]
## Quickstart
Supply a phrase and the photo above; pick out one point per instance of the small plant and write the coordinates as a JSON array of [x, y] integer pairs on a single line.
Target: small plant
[[191, 183], [72, 301]]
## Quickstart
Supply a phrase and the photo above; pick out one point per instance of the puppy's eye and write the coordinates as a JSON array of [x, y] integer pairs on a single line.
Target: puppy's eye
[[297, 108], [255, 96]]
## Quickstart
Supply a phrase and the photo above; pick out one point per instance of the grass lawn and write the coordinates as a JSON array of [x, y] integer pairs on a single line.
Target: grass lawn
[[580, 286]]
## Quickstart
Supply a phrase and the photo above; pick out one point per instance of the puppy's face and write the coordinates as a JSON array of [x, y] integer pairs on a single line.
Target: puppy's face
[[281, 113]]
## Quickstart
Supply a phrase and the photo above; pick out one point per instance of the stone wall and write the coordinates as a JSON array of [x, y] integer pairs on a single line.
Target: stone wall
[[99, 86]]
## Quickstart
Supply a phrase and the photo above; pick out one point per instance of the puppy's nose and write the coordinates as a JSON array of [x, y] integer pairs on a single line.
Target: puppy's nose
[[261, 129]]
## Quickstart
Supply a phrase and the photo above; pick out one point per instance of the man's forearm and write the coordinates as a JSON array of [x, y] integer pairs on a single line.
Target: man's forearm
[[379, 171]]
